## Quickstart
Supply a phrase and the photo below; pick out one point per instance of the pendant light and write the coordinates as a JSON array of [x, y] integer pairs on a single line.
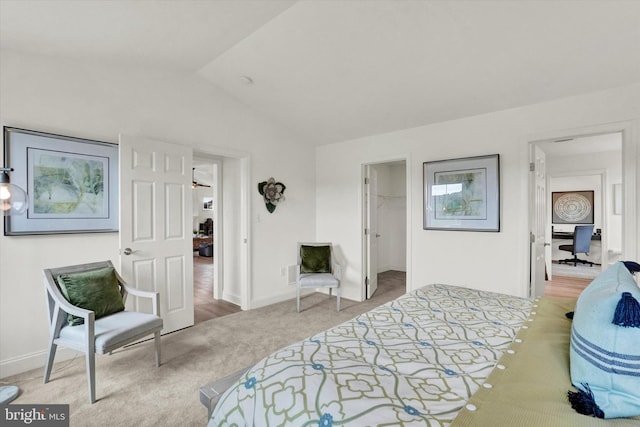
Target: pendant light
[[13, 199]]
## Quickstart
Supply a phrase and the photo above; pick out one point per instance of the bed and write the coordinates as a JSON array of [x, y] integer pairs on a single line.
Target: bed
[[438, 356]]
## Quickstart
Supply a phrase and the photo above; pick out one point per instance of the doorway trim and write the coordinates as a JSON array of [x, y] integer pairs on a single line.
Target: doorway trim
[[630, 150], [363, 219]]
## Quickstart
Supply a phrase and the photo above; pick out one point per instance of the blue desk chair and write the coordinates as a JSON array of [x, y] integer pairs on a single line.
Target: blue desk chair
[[581, 245]]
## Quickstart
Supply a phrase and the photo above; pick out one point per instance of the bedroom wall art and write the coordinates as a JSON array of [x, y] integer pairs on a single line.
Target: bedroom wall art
[[72, 183], [462, 194], [572, 207], [272, 192]]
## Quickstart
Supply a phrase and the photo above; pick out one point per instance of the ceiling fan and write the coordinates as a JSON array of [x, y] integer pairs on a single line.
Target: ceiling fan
[[195, 184]]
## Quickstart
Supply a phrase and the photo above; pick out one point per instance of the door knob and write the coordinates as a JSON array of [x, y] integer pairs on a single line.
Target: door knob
[[127, 251]]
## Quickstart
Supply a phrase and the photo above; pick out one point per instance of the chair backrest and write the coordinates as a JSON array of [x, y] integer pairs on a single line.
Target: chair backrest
[[53, 288], [582, 238], [314, 244]]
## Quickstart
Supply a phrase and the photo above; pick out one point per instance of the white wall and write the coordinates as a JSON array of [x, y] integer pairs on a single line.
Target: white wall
[[483, 260], [99, 101], [200, 214]]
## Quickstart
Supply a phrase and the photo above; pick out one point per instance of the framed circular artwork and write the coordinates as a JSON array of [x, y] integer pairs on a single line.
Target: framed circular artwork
[[572, 207]]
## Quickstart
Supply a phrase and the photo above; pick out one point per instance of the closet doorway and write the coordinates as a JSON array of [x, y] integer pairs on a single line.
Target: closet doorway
[[385, 226]]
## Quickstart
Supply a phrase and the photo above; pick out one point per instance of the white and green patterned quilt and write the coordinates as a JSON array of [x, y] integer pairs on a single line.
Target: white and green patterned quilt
[[414, 361]]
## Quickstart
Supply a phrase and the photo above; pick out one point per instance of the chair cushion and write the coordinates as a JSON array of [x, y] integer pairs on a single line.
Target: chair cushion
[[318, 280], [315, 259], [604, 352], [96, 290], [115, 330]]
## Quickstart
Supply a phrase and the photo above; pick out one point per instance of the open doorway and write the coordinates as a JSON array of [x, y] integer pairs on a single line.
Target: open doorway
[[580, 176], [207, 238], [385, 231]]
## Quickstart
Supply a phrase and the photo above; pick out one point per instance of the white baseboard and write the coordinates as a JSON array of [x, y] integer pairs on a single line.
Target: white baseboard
[[291, 294], [36, 360], [392, 267], [231, 298]]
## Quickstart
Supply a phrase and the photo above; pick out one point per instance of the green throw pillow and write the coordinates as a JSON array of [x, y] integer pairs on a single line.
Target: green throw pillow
[[315, 259], [96, 290]]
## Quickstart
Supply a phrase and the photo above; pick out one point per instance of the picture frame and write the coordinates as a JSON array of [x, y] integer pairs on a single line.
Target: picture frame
[[207, 203], [71, 183], [462, 194], [572, 207]]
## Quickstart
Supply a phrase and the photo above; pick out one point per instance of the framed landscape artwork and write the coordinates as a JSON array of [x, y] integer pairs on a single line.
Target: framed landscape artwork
[[462, 194], [71, 183], [572, 207]]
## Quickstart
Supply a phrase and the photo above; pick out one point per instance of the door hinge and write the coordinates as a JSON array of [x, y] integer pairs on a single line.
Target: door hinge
[[366, 281], [532, 238], [366, 231], [532, 167], [366, 181]]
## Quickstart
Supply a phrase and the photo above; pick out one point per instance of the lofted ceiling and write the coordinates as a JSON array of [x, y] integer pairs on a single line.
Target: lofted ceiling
[[334, 70]]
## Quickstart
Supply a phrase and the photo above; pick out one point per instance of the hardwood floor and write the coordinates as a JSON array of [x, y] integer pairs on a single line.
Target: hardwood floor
[[205, 307], [569, 287]]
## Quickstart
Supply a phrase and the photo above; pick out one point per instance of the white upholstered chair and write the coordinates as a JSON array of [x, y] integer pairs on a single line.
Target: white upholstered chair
[[95, 335], [317, 268]]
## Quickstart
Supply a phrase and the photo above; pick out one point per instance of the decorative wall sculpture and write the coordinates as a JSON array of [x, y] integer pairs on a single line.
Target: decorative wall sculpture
[[272, 192]]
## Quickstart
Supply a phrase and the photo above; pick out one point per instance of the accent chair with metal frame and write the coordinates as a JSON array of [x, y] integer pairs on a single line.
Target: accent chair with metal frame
[[581, 245], [317, 268], [85, 332]]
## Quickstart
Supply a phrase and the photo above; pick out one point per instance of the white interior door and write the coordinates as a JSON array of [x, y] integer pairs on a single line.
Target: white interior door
[[538, 205], [371, 229], [155, 225]]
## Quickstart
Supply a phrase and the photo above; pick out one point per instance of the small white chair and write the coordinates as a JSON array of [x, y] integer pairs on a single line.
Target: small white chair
[[102, 335], [317, 268]]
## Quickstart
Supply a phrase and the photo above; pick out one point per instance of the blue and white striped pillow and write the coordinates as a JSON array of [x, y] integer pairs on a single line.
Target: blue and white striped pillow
[[605, 346]]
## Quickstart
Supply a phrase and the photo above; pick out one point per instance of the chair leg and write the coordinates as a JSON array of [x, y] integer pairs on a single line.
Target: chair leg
[[298, 298], [338, 298], [91, 376], [157, 340], [51, 355]]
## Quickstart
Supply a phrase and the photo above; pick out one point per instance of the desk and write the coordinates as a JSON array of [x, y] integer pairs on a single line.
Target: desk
[[201, 239], [568, 235]]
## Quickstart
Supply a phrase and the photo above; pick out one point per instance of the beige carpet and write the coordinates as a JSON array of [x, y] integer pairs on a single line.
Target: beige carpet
[[131, 391]]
